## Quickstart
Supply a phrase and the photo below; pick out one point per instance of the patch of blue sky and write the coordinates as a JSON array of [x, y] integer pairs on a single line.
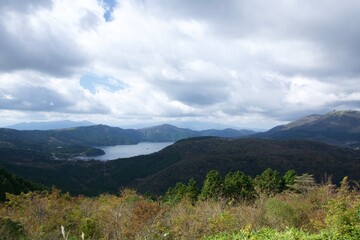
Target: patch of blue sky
[[109, 8], [92, 82]]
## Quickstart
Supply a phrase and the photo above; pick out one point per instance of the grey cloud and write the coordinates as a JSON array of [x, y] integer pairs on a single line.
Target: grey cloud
[[47, 51], [206, 86], [194, 93], [209, 9], [331, 26], [36, 98], [33, 99], [89, 20], [24, 6], [49, 55]]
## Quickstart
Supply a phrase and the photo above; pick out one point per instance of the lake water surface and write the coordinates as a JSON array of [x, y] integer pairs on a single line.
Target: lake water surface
[[125, 151]]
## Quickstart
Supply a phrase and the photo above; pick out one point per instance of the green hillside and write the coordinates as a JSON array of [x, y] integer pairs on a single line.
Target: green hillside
[[181, 161], [10, 183]]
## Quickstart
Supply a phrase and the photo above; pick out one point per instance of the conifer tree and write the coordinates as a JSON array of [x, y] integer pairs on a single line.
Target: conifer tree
[[289, 178], [269, 182], [238, 186], [192, 190], [213, 185]]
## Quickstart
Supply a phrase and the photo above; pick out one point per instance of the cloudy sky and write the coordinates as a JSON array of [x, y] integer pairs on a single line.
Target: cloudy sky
[[241, 63]]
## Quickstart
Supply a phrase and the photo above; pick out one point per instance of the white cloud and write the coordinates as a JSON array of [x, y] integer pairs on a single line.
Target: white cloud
[[237, 62]]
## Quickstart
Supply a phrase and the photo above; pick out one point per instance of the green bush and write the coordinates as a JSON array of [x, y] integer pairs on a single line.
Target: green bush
[[343, 220], [10, 229], [88, 227], [280, 214]]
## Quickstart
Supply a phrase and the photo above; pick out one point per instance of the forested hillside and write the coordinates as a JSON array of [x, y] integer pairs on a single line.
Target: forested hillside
[[181, 161], [10, 183]]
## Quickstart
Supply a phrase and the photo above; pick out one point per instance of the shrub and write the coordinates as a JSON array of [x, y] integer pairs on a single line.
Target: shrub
[[10, 229], [280, 214], [343, 217]]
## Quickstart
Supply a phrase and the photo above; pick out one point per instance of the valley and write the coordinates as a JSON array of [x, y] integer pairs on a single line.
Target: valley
[[312, 145]]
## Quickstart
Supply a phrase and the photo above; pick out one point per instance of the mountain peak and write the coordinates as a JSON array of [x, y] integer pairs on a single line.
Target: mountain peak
[[336, 127]]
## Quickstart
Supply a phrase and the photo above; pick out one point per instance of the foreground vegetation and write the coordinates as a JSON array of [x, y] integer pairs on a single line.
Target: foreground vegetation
[[296, 210]]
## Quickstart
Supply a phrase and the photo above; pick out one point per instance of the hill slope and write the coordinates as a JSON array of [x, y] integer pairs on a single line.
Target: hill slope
[[10, 183], [337, 127], [183, 160]]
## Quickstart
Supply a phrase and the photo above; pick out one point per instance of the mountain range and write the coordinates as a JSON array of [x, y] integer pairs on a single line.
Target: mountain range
[[317, 144], [103, 135]]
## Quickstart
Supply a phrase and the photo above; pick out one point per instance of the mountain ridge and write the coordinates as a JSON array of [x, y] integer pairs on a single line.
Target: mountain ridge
[[340, 128], [104, 135]]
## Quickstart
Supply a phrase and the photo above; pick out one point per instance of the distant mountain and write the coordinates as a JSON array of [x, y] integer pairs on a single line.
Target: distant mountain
[[103, 135], [97, 135], [183, 160], [171, 133], [49, 125], [166, 133], [227, 133], [336, 127]]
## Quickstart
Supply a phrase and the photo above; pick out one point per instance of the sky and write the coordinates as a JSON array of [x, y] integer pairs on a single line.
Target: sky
[[239, 63]]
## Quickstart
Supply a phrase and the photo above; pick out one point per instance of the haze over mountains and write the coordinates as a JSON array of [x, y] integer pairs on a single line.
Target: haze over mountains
[[49, 125]]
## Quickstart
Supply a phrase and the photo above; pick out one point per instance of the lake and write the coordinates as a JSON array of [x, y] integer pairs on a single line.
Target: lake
[[126, 151]]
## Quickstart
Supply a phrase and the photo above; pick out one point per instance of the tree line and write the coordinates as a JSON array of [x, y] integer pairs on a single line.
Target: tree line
[[237, 186]]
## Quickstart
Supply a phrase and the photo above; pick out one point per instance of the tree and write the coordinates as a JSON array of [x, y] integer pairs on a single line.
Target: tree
[[289, 178], [303, 183], [269, 182], [192, 190], [238, 186], [212, 188], [181, 190], [175, 194]]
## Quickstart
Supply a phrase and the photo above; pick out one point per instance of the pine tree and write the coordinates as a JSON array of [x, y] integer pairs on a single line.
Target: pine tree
[[238, 186], [303, 183], [269, 182], [192, 190], [213, 185], [289, 178]]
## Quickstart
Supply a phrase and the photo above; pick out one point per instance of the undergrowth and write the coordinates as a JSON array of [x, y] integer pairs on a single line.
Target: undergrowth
[[320, 212]]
